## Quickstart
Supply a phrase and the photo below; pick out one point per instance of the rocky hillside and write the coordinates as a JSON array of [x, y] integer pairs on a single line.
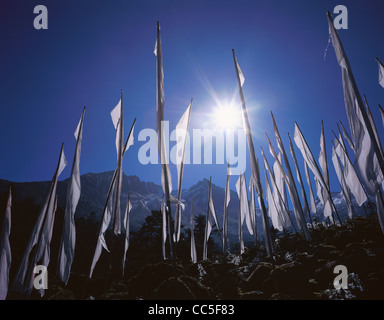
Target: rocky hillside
[[298, 270]]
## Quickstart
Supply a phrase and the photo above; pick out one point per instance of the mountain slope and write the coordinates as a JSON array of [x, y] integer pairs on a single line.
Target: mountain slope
[[147, 196]]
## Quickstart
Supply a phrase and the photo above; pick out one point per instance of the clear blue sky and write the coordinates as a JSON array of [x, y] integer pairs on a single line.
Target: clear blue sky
[[93, 49]]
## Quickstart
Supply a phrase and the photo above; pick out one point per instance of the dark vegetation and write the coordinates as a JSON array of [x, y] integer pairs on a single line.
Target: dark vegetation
[[299, 270]]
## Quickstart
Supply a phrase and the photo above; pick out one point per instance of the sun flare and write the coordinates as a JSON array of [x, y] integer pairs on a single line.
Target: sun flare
[[227, 116]]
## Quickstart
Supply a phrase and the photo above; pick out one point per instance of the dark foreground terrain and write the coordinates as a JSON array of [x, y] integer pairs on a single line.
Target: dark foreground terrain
[[299, 270]]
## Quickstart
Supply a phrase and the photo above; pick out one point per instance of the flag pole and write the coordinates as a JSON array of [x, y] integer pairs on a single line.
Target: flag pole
[[72, 172], [29, 273], [160, 116], [326, 187], [304, 195], [178, 207], [367, 124], [254, 164]]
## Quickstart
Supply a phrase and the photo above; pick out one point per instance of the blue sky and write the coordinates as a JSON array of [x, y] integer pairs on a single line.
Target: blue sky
[[93, 49]]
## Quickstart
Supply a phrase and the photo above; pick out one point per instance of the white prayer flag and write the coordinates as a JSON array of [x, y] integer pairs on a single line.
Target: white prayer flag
[[241, 75], [252, 210], [104, 223], [166, 180], [126, 238], [298, 210], [208, 226], [367, 163], [164, 228], [382, 114], [351, 178], [373, 125], [116, 114], [243, 197], [239, 190], [68, 239], [324, 168], [279, 177], [182, 134], [278, 213], [22, 281], [227, 199], [193, 245], [313, 203], [346, 136], [130, 140], [117, 119], [344, 187], [381, 73], [322, 189], [255, 175], [298, 175], [323, 157], [272, 210]]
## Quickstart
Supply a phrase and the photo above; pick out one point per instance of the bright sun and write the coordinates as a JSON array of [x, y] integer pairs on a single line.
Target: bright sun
[[227, 116]]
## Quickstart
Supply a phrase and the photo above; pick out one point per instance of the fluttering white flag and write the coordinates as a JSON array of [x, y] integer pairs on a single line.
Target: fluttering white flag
[[68, 238], [343, 184], [22, 281], [324, 168], [182, 135], [193, 245], [272, 210], [310, 160], [297, 208], [298, 175], [243, 197], [241, 75], [346, 136], [368, 164], [166, 179], [164, 228], [104, 223], [344, 188], [381, 72], [126, 238], [255, 176], [373, 125], [130, 140], [239, 190], [211, 214], [279, 177], [5, 249], [227, 199], [252, 209], [313, 203], [382, 114], [43, 253], [278, 212], [323, 157], [351, 178], [117, 119]]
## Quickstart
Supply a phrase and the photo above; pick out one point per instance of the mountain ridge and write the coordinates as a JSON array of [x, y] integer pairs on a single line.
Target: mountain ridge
[[146, 197]]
